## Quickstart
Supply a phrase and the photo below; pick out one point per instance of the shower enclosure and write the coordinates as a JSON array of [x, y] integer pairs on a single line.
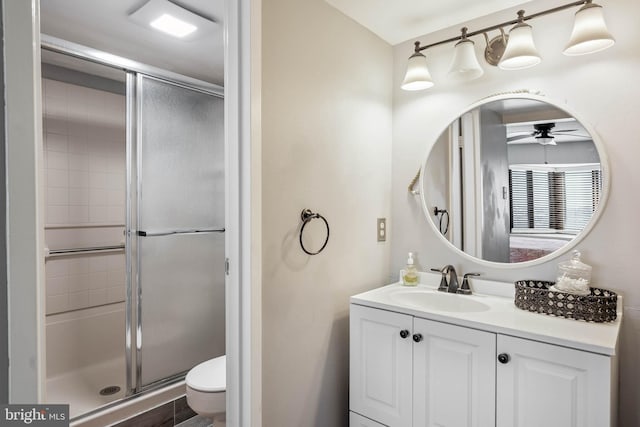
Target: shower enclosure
[[134, 226]]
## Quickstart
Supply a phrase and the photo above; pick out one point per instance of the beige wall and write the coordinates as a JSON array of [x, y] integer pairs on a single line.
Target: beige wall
[[602, 89], [326, 143]]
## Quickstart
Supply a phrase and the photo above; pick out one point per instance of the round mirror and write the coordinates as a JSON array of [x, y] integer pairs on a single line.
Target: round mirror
[[514, 179]]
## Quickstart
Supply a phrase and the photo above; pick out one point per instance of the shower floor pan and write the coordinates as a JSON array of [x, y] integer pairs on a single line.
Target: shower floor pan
[[81, 389]]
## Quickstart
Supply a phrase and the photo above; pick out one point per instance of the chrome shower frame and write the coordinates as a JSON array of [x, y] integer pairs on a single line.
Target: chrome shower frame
[[133, 71]]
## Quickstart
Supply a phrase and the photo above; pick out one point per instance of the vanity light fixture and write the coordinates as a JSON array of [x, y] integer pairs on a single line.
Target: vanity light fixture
[[417, 76], [515, 51], [465, 64], [590, 33], [521, 52]]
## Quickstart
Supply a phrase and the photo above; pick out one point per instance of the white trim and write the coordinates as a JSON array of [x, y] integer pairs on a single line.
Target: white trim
[[455, 201], [90, 54], [472, 165], [556, 167], [254, 50], [243, 244], [25, 219]]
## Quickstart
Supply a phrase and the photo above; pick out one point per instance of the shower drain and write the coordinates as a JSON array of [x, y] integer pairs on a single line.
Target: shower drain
[[107, 391]]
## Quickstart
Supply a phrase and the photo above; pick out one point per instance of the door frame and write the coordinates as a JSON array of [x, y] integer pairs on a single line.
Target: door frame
[[25, 243], [244, 211], [25, 219]]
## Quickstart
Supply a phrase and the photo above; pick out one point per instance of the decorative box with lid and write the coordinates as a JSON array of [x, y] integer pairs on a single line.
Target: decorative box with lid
[[574, 276]]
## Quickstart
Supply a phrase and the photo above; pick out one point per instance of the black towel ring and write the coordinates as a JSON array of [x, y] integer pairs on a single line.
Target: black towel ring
[[306, 215]]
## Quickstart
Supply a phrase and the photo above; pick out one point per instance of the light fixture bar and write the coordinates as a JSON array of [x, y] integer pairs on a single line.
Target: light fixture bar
[[419, 48]]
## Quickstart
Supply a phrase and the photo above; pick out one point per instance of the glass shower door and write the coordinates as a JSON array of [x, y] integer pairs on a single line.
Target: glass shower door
[[180, 229]]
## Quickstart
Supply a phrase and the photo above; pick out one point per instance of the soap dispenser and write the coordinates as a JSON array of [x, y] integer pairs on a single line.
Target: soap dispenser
[[410, 276]]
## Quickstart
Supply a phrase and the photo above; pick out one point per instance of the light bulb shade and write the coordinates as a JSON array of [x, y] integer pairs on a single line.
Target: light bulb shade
[[545, 140], [465, 64], [590, 33], [417, 76], [521, 52]]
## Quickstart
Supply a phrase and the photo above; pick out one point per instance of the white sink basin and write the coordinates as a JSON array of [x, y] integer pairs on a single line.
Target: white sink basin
[[491, 308], [437, 301]]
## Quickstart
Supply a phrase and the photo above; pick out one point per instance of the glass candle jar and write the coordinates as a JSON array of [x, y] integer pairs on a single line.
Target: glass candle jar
[[574, 276]]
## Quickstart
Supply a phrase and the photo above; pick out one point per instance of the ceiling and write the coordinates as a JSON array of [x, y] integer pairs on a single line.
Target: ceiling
[[526, 111], [401, 20], [105, 25], [520, 115]]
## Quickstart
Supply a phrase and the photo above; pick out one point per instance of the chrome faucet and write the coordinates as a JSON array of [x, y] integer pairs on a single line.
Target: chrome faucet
[[450, 285], [443, 279], [466, 289], [452, 288]]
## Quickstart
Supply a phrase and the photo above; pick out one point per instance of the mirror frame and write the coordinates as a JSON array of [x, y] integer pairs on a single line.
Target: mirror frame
[[604, 165]]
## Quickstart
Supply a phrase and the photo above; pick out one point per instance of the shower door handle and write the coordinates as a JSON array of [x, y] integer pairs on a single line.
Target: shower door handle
[[172, 232]]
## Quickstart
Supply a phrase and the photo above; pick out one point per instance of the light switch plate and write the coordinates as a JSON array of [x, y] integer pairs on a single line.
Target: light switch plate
[[382, 229]]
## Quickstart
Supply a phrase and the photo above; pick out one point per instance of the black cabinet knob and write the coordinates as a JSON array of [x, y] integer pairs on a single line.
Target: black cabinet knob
[[417, 337], [503, 358], [404, 333]]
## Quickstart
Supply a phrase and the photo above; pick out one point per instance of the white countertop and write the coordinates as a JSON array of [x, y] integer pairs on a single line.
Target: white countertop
[[502, 316]]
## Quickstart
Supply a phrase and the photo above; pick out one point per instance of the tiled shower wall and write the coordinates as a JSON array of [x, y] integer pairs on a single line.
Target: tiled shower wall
[[84, 161], [84, 281]]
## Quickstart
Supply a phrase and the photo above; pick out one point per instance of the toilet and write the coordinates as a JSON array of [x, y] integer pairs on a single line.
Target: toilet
[[206, 389]]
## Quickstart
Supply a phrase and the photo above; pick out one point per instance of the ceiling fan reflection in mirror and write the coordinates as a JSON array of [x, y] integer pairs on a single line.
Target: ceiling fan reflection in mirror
[[543, 134]]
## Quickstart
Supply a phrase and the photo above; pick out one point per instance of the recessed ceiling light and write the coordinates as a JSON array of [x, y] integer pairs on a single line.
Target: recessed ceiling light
[[172, 25], [172, 19]]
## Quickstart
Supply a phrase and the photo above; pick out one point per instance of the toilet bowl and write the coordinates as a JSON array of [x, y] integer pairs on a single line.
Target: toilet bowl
[[206, 389]]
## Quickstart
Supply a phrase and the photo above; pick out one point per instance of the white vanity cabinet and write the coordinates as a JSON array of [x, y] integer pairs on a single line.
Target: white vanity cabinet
[[548, 385], [381, 372], [453, 375], [407, 371]]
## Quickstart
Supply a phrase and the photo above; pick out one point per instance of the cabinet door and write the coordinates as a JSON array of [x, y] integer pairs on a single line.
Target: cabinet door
[[453, 376], [380, 365], [551, 386], [356, 420]]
